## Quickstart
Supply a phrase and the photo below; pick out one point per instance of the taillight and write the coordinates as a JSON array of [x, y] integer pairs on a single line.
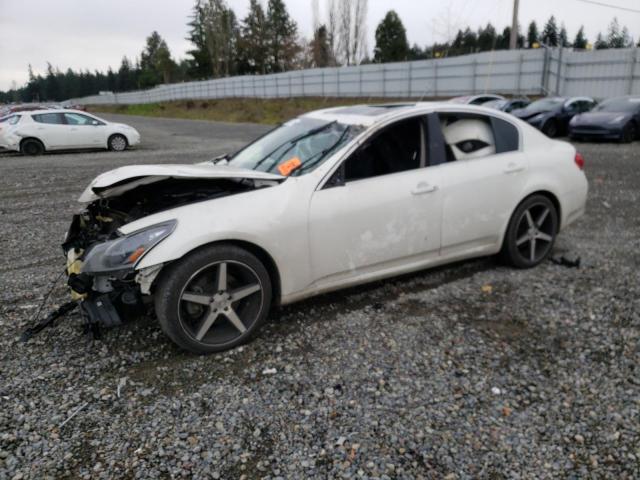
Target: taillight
[[579, 161]]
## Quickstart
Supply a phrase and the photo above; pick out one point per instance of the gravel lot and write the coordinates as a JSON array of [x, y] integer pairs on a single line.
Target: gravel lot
[[474, 370]]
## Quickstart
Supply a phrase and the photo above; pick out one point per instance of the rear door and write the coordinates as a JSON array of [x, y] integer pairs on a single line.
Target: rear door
[[482, 177], [51, 129]]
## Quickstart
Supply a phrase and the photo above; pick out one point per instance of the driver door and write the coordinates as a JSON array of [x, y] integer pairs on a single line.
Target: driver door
[[380, 212], [84, 131]]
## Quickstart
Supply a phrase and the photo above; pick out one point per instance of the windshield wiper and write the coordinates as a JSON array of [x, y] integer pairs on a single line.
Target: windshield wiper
[[292, 143], [322, 153]]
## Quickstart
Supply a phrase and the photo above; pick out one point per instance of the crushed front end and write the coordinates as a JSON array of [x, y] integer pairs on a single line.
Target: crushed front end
[[101, 261]]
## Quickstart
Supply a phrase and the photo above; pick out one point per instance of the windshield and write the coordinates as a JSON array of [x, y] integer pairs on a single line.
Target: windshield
[[545, 104], [619, 105], [295, 147]]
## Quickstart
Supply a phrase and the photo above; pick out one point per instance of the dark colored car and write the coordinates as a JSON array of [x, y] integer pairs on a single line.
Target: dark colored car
[[614, 119], [476, 99], [507, 105], [552, 115]]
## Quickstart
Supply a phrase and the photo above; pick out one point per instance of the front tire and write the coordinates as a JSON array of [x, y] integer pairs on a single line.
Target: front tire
[[214, 299], [117, 143], [531, 232], [550, 128], [629, 133], [32, 147]]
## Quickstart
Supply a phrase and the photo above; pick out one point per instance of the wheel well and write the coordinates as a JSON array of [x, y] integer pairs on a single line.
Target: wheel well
[[550, 196], [118, 135], [545, 193], [31, 138], [263, 256]]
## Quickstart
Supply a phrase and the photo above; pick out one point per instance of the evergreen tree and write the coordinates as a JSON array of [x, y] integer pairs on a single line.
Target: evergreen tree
[[580, 42], [150, 76], [601, 43], [199, 65], [487, 38], [533, 36], [391, 40], [320, 49], [281, 42], [504, 39], [416, 53], [563, 37], [617, 38], [470, 41], [550, 34], [253, 48]]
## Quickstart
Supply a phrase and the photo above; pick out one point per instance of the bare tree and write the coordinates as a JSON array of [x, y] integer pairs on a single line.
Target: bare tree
[[315, 14], [344, 30], [332, 28], [359, 31]]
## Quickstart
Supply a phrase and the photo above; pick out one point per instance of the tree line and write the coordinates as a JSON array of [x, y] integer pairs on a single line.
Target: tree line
[[267, 41]]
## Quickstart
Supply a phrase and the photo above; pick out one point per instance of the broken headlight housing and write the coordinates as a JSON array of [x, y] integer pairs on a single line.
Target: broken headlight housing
[[123, 253]]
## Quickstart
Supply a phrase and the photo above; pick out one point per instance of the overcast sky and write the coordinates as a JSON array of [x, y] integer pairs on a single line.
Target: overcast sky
[[95, 34]]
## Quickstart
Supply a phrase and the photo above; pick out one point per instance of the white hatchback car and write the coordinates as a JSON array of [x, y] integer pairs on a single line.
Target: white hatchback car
[[331, 199], [34, 132]]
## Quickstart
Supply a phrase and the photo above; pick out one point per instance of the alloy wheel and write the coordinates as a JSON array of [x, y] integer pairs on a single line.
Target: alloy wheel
[[220, 302], [535, 232], [118, 143]]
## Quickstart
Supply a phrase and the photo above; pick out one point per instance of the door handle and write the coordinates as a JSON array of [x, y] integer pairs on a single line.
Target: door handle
[[424, 187], [513, 168]]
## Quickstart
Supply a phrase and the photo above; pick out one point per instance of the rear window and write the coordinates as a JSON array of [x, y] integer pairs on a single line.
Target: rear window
[[50, 118], [13, 120]]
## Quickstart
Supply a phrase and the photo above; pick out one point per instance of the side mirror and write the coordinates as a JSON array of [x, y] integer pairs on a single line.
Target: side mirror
[[95, 122]]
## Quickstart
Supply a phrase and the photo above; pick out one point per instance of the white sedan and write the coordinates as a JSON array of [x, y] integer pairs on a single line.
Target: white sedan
[[331, 199], [34, 132]]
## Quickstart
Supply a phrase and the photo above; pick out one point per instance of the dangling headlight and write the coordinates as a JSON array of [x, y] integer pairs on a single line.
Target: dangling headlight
[[124, 252]]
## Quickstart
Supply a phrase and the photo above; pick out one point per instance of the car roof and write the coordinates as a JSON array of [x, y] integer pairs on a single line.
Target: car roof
[[48, 110], [369, 115]]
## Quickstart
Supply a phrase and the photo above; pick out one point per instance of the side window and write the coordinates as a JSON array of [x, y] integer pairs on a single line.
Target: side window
[[470, 136], [506, 135], [396, 149], [572, 107], [50, 118], [79, 119], [586, 105], [466, 136]]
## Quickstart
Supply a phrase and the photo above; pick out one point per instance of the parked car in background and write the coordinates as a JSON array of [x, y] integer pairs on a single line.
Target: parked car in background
[[476, 99], [329, 200], [614, 119], [9, 109], [507, 105], [34, 132], [551, 115]]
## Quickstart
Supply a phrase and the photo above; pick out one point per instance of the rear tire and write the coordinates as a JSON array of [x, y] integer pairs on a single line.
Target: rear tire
[[118, 143], [31, 146], [214, 299], [531, 233]]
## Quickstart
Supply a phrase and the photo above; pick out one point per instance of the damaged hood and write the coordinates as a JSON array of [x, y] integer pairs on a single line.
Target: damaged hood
[[116, 182]]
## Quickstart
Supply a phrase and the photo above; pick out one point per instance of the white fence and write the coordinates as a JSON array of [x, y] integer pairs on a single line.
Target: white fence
[[600, 74]]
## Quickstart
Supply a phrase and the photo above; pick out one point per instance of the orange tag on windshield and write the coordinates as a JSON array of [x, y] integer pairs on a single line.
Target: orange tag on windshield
[[289, 166]]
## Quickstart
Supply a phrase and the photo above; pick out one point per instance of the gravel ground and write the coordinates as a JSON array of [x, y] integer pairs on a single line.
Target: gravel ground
[[474, 370]]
